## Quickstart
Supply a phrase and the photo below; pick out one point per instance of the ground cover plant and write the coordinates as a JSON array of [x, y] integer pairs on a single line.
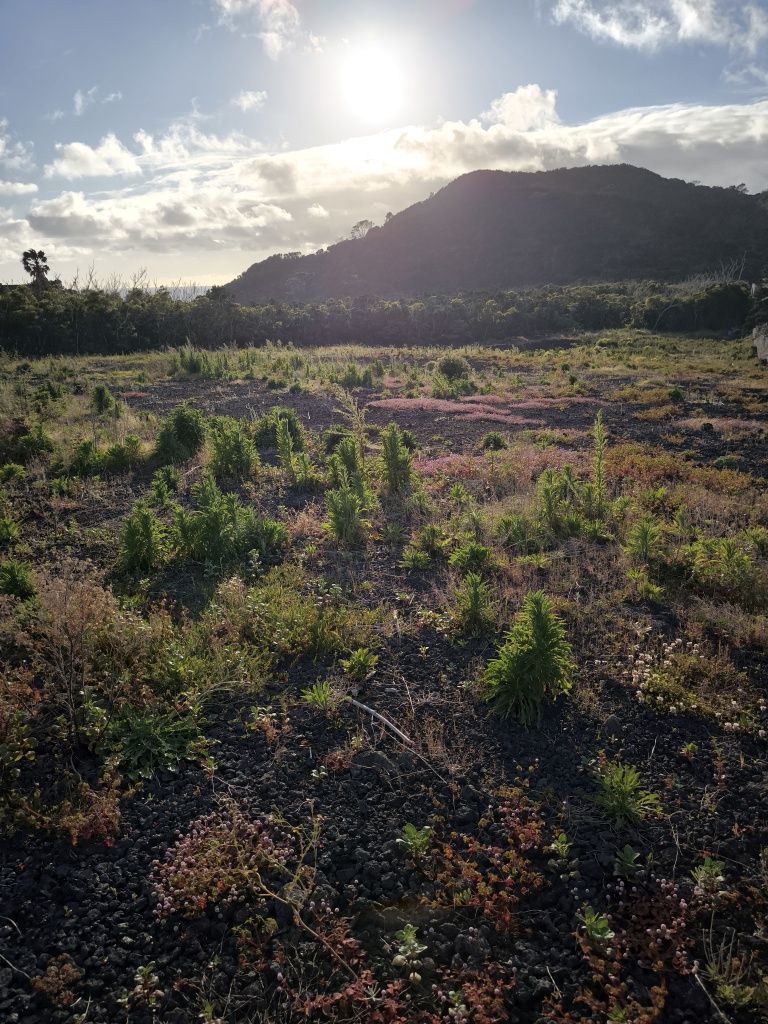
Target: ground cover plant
[[386, 684]]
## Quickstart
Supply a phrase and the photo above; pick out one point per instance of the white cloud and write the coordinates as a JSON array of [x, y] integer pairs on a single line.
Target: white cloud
[[14, 155], [79, 160], [17, 188], [82, 100], [249, 100], [651, 24], [279, 21], [205, 200]]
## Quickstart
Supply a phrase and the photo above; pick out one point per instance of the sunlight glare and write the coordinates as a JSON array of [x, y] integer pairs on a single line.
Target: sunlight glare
[[372, 82]]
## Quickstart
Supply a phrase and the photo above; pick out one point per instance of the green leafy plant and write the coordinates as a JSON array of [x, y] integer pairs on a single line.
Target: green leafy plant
[[560, 846], [361, 664], [396, 460], [322, 696], [9, 530], [415, 841], [233, 453], [165, 482], [142, 540], [182, 435], [596, 927], [265, 429], [16, 580], [409, 950], [709, 875], [622, 796], [494, 442], [346, 518], [473, 611], [102, 400], [147, 741], [644, 540], [472, 557], [626, 863], [534, 663]]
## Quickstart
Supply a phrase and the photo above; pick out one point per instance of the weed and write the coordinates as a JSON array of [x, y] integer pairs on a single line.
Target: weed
[[361, 664], [709, 876], [474, 613], [233, 453], [102, 400], [396, 460], [9, 530], [146, 741], [16, 580], [644, 540], [142, 540], [622, 796], [346, 516], [415, 841], [596, 927], [533, 665]]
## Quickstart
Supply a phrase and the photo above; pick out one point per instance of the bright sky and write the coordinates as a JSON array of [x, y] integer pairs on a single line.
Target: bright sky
[[193, 137]]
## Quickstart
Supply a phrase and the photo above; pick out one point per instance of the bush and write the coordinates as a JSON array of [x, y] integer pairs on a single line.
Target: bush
[[121, 457], [146, 741], [102, 400], [182, 434], [265, 431], [473, 612], [142, 541], [165, 481], [86, 460], [346, 516], [9, 530], [16, 580], [396, 460], [533, 665], [472, 557], [494, 442], [453, 368], [233, 453], [644, 540]]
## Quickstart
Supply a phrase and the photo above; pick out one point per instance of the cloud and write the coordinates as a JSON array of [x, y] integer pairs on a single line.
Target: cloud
[[79, 160], [17, 188], [249, 100], [651, 24], [82, 100], [278, 21], [14, 155], [203, 200]]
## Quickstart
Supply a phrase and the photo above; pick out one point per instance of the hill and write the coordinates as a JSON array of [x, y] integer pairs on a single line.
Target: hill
[[500, 229]]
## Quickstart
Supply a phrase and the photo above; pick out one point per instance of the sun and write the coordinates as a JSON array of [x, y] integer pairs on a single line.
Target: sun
[[372, 82]]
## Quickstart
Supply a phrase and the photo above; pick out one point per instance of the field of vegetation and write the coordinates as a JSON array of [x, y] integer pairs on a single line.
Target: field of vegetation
[[385, 684]]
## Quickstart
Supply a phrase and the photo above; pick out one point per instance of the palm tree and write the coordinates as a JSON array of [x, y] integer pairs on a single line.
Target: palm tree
[[36, 265]]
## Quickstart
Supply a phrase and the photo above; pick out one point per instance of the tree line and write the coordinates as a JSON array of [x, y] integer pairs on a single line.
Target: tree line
[[46, 318]]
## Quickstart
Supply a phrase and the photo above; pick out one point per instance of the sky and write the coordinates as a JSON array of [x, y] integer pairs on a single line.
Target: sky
[[186, 139]]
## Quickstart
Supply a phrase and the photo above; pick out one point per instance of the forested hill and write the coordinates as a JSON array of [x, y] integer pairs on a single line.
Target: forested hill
[[498, 229]]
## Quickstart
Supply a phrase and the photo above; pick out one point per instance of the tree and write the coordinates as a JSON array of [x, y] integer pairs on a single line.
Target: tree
[[36, 265], [361, 229]]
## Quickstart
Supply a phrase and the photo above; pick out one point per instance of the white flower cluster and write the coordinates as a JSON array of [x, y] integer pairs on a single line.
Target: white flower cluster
[[648, 668]]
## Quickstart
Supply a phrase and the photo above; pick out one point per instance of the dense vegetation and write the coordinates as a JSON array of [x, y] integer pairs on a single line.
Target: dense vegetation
[[494, 230], [48, 319], [401, 685]]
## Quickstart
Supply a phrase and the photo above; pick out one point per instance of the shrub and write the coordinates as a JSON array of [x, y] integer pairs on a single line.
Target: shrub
[[396, 460], [727, 568], [182, 435], [9, 530], [473, 611], [284, 445], [233, 453], [268, 537], [346, 516], [16, 580], [494, 442], [533, 664], [472, 557], [644, 542], [453, 367], [86, 460], [11, 471], [265, 430], [102, 400], [142, 541], [121, 457], [165, 481], [622, 796]]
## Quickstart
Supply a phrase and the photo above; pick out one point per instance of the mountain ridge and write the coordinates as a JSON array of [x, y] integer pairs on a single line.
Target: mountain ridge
[[508, 229]]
